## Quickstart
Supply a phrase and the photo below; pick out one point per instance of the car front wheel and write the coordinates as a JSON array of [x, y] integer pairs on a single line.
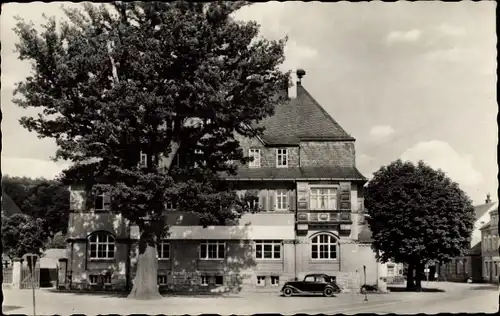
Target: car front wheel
[[287, 292], [328, 292]]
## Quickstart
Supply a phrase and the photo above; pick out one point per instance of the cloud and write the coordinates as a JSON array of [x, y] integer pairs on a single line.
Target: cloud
[[451, 30], [380, 132], [270, 15], [400, 36], [440, 155], [32, 168]]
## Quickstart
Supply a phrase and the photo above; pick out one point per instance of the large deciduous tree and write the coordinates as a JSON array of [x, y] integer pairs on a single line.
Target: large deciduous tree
[[170, 82], [417, 215]]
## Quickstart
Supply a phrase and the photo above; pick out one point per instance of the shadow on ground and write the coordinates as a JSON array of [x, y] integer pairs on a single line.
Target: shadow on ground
[[307, 295], [90, 293], [403, 289], [8, 308], [486, 287], [106, 294]]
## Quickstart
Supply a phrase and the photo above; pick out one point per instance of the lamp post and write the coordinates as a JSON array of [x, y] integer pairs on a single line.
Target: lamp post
[[364, 272]]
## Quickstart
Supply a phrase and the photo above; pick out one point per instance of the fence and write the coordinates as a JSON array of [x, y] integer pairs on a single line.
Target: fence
[[29, 279], [7, 275]]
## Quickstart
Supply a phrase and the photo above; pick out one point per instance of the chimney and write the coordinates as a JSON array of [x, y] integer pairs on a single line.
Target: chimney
[[488, 198], [300, 73]]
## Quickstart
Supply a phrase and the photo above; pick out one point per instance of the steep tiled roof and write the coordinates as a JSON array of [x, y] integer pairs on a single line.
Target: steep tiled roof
[[337, 173], [301, 118], [481, 209]]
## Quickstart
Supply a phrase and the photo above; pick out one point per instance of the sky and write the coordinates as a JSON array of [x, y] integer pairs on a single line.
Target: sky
[[409, 80]]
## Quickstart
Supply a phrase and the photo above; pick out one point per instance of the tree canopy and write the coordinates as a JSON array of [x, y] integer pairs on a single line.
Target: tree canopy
[[22, 234], [40, 198], [154, 78], [417, 214], [133, 88]]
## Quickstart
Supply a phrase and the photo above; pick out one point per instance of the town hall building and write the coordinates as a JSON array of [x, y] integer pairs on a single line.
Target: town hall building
[[311, 195]]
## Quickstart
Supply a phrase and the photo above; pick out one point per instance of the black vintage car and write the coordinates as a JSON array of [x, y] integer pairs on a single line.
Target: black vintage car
[[312, 284]]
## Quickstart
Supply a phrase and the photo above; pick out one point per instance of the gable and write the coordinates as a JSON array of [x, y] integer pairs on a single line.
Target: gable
[[482, 209]]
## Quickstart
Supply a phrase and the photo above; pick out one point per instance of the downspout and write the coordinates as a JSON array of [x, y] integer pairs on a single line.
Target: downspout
[[71, 266], [127, 269], [295, 229], [295, 258]]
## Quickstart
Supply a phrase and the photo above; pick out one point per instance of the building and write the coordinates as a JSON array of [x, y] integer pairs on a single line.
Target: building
[[489, 248], [303, 177], [470, 265]]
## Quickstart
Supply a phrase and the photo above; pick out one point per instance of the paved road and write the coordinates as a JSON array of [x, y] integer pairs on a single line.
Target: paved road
[[467, 298]]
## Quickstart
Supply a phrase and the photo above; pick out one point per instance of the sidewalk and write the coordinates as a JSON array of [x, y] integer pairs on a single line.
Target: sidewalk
[[49, 303]]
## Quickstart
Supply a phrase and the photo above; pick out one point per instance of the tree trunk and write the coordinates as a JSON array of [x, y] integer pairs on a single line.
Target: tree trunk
[[145, 282], [409, 277], [418, 276]]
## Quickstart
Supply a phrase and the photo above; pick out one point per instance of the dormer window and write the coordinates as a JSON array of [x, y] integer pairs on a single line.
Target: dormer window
[[143, 160], [255, 154], [282, 158]]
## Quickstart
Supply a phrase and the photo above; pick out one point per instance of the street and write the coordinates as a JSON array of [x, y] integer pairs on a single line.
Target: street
[[457, 297]]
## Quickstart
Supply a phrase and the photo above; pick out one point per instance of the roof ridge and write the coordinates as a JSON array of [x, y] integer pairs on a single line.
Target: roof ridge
[[316, 103]]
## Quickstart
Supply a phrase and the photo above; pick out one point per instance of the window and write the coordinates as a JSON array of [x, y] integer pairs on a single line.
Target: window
[[162, 279], [170, 206], [96, 279], [163, 250], [93, 279], [309, 278], [390, 270], [212, 250], [282, 158], [143, 160], [486, 270], [255, 154], [102, 246], [219, 280], [275, 280], [102, 202], [496, 268], [261, 280], [323, 247], [204, 280], [323, 199], [267, 249], [281, 200]]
